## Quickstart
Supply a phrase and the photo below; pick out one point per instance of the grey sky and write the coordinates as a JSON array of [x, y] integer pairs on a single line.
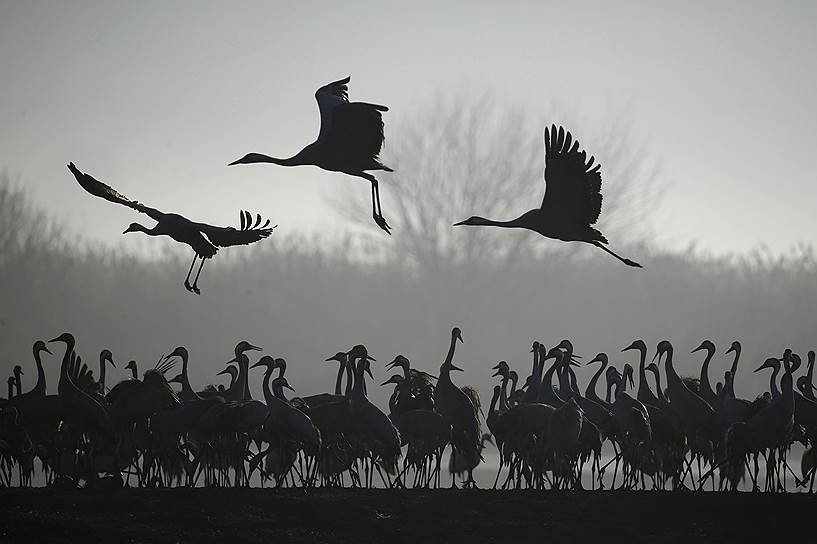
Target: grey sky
[[157, 97]]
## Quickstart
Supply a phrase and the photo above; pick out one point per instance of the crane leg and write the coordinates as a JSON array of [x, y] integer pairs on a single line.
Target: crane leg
[[195, 286], [187, 279], [377, 214]]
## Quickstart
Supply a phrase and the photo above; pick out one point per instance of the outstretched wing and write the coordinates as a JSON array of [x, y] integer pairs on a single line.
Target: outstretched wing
[[250, 231], [329, 96], [101, 190], [573, 183], [356, 135]]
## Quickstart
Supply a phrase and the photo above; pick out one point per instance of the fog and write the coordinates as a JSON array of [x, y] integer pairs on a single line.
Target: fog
[[304, 301]]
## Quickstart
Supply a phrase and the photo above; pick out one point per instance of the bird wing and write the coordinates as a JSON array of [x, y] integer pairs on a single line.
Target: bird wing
[[249, 232], [329, 96], [573, 184], [356, 133], [101, 190]]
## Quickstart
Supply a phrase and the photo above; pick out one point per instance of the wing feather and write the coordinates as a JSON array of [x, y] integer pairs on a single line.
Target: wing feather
[[230, 236], [573, 185], [102, 190], [329, 97]]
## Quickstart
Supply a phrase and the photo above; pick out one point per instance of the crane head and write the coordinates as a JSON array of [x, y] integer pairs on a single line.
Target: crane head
[[280, 381], [663, 347], [17, 370], [396, 379], [105, 356], [600, 358], [456, 333], [180, 352], [771, 362], [707, 345], [266, 361], [243, 346], [637, 344], [734, 348], [339, 357], [66, 337], [39, 346], [399, 361]]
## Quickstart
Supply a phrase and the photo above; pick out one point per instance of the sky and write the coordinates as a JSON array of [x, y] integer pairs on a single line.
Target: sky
[[155, 98]]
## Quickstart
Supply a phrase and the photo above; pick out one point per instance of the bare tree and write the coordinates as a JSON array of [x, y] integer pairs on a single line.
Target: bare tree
[[459, 157]]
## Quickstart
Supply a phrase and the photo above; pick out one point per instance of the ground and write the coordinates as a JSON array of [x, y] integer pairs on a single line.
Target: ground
[[263, 515]]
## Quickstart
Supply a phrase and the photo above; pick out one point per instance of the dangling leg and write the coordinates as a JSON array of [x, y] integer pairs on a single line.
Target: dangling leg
[[377, 215], [187, 279], [628, 262], [196, 281]]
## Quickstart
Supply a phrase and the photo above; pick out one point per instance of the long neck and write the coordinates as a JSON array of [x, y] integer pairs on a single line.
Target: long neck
[[133, 372], [672, 377], [187, 391], [773, 382], [518, 223], [730, 391], [643, 387], [590, 392], [658, 385], [350, 377], [706, 387], [339, 379], [445, 368], [810, 372], [302, 158], [547, 384], [102, 373], [268, 396], [39, 387], [514, 380], [503, 396], [359, 389], [243, 378], [17, 383], [494, 400], [65, 380]]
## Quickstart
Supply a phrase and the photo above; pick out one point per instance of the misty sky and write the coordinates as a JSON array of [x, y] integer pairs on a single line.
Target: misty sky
[[156, 98]]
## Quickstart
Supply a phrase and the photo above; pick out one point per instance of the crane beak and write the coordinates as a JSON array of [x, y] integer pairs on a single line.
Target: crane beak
[[57, 339], [387, 382], [369, 372], [233, 360], [287, 386], [369, 357], [453, 367], [256, 348], [225, 371], [48, 351], [257, 363], [656, 356]]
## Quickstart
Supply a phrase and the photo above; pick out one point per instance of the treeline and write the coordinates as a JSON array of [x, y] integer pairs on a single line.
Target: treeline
[[303, 304]]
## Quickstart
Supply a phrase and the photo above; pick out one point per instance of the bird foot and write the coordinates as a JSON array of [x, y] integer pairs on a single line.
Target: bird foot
[[381, 222], [196, 289], [187, 286]]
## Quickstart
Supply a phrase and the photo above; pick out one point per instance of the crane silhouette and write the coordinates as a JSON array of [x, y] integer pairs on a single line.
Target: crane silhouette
[[204, 239], [572, 202], [349, 141]]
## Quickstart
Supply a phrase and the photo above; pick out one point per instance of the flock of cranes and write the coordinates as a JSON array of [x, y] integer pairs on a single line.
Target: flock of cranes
[[142, 431], [349, 141]]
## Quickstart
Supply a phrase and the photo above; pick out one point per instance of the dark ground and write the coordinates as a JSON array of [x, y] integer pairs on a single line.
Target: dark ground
[[263, 515]]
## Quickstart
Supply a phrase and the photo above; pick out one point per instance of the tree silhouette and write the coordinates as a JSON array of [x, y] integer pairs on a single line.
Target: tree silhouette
[[453, 158]]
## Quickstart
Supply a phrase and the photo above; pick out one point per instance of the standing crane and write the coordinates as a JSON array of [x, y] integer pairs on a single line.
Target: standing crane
[[458, 410], [349, 141], [572, 202], [204, 239]]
